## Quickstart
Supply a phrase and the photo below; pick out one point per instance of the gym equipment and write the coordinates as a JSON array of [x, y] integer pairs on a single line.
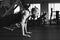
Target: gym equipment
[[37, 22], [42, 18]]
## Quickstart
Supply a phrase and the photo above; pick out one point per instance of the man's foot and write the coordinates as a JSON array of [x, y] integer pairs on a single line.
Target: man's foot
[[26, 35], [29, 32]]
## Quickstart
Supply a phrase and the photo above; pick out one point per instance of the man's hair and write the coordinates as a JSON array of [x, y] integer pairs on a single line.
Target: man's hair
[[33, 9]]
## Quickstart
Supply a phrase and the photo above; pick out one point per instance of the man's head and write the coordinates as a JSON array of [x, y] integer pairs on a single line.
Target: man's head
[[35, 11]]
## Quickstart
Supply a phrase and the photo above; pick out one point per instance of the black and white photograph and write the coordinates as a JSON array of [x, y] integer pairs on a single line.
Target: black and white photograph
[[29, 19]]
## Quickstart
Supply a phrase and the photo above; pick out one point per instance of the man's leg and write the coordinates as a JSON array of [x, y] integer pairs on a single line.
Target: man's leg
[[26, 28], [23, 27]]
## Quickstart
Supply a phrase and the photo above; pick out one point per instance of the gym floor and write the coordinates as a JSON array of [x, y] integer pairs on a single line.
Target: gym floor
[[45, 32]]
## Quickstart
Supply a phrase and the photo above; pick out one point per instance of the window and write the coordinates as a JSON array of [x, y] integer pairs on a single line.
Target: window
[[56, 7], [17, 9], [32, 6]]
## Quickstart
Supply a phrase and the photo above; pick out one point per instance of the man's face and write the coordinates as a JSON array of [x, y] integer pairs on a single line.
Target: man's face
[[36, 12]]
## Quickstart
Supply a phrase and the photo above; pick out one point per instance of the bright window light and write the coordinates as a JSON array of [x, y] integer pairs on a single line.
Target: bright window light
[[56, 7], [17, 9]]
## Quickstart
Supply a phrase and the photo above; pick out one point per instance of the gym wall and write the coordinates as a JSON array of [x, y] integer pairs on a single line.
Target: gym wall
[[44, 4]]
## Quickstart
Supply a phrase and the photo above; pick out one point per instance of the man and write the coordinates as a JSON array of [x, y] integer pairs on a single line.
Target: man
[[25, 17], [19, 17]]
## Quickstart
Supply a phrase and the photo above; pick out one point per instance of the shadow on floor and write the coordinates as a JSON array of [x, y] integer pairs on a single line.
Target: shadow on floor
[[45, 32]]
